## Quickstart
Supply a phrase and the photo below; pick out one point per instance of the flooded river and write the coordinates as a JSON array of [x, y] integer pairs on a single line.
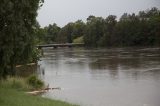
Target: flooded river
[[103, 77]]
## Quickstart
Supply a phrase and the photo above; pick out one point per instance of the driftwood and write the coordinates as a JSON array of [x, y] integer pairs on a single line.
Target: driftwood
[[37, 92]]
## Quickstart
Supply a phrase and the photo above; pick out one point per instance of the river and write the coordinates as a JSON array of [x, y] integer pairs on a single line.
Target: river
[[103, 77]]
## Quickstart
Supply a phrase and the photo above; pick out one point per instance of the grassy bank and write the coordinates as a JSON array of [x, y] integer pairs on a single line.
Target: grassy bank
[[12, 93]]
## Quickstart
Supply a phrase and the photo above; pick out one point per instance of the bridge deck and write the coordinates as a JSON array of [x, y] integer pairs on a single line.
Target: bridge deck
[[61, 45]]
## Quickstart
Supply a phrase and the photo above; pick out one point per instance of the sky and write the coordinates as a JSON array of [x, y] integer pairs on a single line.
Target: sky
[[62, 12]]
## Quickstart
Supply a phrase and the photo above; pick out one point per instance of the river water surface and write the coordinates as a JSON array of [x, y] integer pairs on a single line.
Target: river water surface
[[103, 77]]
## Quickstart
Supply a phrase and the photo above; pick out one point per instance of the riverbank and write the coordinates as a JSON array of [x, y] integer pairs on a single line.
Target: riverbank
[[13, 96]]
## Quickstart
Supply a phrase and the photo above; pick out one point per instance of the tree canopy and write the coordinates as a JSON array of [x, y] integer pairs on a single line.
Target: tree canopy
[[17, 29]]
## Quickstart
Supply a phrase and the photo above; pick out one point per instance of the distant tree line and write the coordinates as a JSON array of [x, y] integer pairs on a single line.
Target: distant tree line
[[55, 34], [142, 29]]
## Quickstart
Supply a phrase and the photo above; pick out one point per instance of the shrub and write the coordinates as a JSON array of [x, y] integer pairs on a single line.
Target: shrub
[[34, 82]]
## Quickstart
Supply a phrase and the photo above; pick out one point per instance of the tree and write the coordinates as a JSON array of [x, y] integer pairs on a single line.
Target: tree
[[94, 30], [78, 29], [17, 29], [51, 33], [108, 38], [40, 37], [65, 34]]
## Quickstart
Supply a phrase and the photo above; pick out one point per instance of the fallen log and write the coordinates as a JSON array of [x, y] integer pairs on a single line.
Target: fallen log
[[38, 92]]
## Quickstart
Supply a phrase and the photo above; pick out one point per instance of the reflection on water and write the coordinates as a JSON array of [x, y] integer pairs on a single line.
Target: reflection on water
[[103, 77]]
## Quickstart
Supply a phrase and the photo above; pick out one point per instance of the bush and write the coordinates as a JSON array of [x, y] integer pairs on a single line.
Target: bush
[[34, 82]]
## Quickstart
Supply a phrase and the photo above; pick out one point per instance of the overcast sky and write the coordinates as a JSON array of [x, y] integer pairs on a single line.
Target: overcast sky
[[62, 12]]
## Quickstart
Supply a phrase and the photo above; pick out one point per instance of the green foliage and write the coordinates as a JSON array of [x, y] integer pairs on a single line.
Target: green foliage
[[131, 30], [79, 40], [78, 29], [34, 82], [66, 34], [51, 33], [40, 35], [17, 30], [68, 29], [36, 54], [94, 30]]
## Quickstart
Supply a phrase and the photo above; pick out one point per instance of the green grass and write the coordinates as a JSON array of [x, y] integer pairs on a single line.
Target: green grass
[[10, 95]]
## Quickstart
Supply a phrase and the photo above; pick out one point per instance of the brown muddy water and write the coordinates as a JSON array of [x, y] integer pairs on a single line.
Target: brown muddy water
[[103, 77]]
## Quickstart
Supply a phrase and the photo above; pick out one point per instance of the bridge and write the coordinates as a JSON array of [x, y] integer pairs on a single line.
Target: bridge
[[61, 45]]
